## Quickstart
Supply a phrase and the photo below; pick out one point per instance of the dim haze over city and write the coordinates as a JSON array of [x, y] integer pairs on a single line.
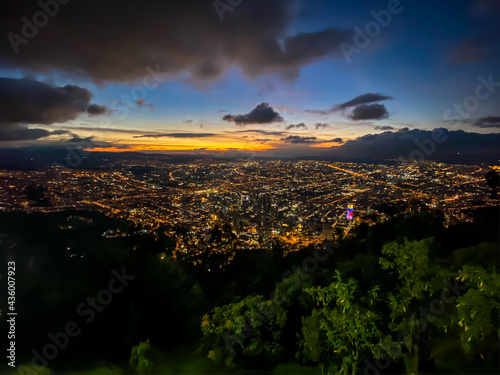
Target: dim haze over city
[[276, 186]]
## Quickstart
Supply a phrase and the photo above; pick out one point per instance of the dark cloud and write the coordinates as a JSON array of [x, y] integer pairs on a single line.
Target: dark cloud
[[25, 101], [59, 132], [295, 139], [77, 142], [24, 133], [141, 103], [361, 105], [177, 37], [364, 99], [296, 126], [369, 112], [385, 127], [439, 144], [262, 114], [261, 132], [487, 122], [104, 130], [337, 140], [97, 110], [320, 125], [187, 121], [177, 135], [320, 112]]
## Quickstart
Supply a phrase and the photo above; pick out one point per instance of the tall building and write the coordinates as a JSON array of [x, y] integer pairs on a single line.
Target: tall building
[[350, 211]]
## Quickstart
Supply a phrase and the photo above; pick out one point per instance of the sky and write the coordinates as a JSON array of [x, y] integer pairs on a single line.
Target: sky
[[265, 77]]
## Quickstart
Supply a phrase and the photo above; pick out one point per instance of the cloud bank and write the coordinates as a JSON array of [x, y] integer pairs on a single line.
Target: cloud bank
[[262, 114], [183, 37], [26, 102], [362, 109]]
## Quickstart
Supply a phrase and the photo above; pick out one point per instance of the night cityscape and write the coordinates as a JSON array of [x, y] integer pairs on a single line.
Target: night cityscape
[[249, 187], [298, 203]]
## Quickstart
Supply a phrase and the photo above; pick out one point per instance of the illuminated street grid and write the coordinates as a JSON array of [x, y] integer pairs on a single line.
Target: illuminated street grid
[[298, 203]]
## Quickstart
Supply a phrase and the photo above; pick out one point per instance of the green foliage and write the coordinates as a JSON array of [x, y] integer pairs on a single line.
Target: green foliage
[[477, 311], [29, 369], [250, 329], [140, 358], [416, 282], [104, 370], [410, 262], [343, 329]]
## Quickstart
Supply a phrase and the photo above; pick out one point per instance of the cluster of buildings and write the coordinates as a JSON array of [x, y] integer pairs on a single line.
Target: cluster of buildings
[[255, 205]]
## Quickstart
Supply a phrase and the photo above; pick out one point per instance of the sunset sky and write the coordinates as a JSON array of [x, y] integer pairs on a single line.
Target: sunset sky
[[269, 76]]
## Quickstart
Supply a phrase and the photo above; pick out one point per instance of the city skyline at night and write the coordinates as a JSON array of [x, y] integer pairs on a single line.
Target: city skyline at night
[[249, 187]]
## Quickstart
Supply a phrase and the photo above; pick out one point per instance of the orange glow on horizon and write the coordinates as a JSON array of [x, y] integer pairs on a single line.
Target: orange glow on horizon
[[177, 148], [326, 145]]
